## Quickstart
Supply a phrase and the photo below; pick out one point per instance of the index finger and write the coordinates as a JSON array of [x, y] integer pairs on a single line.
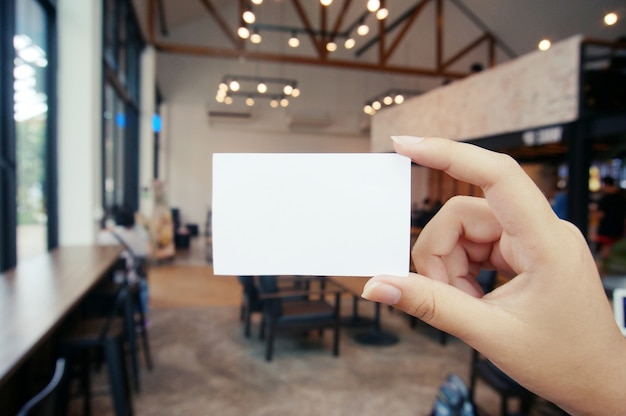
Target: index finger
[[517, 203]]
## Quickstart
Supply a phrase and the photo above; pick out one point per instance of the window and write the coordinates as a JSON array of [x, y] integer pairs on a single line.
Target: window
[[27, 126], [120, 139]]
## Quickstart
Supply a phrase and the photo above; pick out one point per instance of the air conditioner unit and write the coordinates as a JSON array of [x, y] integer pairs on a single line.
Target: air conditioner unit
[[229, 116]]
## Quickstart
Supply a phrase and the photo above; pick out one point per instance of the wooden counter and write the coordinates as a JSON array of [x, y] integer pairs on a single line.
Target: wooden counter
[[39, 293]]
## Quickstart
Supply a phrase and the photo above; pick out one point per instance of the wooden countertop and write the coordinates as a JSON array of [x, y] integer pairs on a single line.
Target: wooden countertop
[[39, 293]]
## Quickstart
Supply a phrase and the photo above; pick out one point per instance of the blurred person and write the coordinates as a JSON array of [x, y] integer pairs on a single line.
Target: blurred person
[[611, 215], [136, 242]]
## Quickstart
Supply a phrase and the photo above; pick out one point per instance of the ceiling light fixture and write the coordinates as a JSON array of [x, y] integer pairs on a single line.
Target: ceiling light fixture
[[326, 3], [331, 46], [610, 19], [373, 5], [293, 41], [234, 85], [382, 13], [278, 90], [248, 17], [349, 43], [257, 2], [388, 98], [256, 37], [363, 29], [243, 32], [544, 45]]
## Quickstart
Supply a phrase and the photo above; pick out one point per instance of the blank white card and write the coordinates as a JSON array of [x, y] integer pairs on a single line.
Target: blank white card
[[311, 214]]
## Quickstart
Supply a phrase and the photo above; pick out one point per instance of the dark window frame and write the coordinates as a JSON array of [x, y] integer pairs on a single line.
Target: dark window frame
[[8, 166], [126, 89]]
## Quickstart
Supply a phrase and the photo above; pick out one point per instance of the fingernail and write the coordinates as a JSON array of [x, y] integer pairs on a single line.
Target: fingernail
[[381, 292], [407, 139]]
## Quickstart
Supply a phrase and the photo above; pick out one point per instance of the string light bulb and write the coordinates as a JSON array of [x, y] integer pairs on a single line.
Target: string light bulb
[[234, 85], [257, 2], [261, 87], [544, 45], [249, 101], [349, 43], [331, 46], [256, 38], [249, 17], [288, 89], [363, 29], [382, 13], [373, 5], [243, 32], [293, 41], [326, 3], [610, 19]]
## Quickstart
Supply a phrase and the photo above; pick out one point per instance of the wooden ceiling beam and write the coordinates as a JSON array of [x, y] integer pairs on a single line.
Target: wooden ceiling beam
[[340, 17], [484, 37], [439, 37], [305, 60], [407, 25], [150, 20], [309, 29], [232, 37]]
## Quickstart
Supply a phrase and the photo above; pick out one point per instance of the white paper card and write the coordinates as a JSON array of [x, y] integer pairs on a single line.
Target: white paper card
[[311, 214]]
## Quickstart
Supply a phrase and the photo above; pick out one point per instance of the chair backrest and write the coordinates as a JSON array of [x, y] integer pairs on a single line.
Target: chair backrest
[[268, 285], [121, 297], [43, 402], [250, 291]]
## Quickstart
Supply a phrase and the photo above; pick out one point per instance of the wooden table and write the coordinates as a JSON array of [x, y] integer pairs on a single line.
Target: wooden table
[[374, 336], [39, 293]]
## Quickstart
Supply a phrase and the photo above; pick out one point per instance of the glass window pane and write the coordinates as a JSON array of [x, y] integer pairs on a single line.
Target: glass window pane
[[31, 115]]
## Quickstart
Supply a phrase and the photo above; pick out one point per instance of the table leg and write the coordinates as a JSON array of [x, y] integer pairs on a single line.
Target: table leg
[[376, 336]]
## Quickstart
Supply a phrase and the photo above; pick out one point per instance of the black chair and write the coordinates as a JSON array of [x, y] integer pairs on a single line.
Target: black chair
[[134, 272], [298, 310], [97, 337], [484, 370], [43, 402], [250, 302]]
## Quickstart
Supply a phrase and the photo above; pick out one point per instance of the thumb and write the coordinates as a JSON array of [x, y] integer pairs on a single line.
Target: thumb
[[438, 304]]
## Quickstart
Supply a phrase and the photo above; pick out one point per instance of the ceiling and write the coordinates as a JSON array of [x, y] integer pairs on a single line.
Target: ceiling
[[419, 37], [433, 39]]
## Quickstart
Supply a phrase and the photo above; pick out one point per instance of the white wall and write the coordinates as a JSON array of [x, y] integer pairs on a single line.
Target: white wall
[[80, 120], [534, 90], [192, 140]]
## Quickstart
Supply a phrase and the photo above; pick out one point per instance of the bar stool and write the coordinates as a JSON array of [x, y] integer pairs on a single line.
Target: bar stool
[[106, 336]]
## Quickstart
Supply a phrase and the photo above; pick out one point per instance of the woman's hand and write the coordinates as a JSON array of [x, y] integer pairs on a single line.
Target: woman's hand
[[551, 327]]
